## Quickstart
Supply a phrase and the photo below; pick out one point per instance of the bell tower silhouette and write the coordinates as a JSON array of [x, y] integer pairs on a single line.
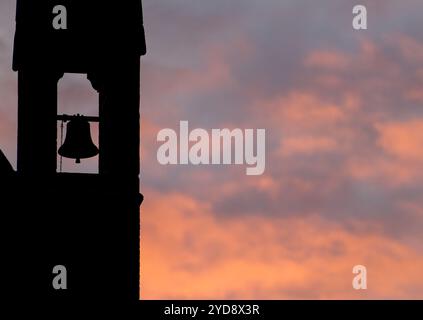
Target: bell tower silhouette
[[87, 223]]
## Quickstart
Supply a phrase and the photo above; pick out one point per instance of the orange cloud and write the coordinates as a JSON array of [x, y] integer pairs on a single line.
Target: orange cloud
[[189, 253], [402, 139], [399, 160], [391, 172], [303, 110]]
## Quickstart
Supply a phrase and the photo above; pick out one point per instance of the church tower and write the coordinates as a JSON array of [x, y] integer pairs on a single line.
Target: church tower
[[85, 224]]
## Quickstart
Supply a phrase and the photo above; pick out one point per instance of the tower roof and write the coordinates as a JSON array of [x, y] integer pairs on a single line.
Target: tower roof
[[96, 31]]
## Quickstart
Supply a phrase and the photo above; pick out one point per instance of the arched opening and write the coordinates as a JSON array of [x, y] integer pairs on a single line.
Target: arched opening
[[76, 96]]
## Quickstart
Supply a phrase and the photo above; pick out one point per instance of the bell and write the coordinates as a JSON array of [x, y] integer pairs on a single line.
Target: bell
[[78, 143]]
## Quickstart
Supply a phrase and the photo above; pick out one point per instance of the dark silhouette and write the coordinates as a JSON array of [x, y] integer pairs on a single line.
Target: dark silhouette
[[85, 222], [78, 144], [6, 169]]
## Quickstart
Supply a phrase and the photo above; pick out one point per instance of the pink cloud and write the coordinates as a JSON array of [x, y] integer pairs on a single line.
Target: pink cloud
[[325, 59], [411, 49], [307, 145]]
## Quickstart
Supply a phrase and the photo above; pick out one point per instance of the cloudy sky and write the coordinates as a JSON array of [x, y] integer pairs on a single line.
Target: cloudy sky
[[343, 111]]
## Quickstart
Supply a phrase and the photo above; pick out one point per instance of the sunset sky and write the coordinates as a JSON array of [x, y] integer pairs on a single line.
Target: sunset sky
[[343, 112]]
